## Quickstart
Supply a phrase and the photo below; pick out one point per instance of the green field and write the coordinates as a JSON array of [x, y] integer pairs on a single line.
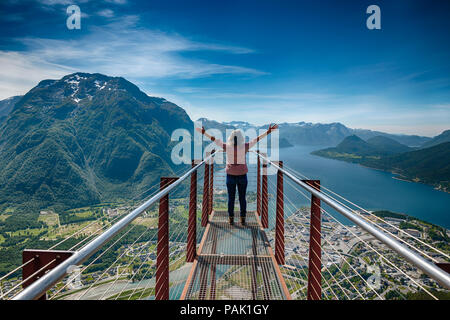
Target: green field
[[26, 232], [133, 294], [50, 219], [4, 216]]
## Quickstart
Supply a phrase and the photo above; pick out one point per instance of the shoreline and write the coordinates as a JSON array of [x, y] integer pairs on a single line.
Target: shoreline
[[402, 179], [395, 176]]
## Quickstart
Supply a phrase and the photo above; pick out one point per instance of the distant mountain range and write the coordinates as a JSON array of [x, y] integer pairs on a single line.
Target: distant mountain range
[[443, 137], [355, 149], [387, 146], [409, 156], [224, 126], [90, 138], [318, 134], [84, 139], [427, 164]]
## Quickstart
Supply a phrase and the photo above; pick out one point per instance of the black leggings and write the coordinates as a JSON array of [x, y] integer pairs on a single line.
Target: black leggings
[[241, 183]]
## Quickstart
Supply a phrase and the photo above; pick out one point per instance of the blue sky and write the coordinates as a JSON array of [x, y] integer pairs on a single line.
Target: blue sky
[[257, 61]]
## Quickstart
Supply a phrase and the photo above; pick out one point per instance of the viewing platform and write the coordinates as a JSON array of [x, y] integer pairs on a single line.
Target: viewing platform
[[235, 262], [200, 256]]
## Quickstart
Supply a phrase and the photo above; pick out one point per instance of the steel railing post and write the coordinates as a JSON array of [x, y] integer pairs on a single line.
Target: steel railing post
[[211, 185], [315, 249], [279, 227], [265, 198], [205, 201], [258, 186], [162, 254], [192, 220]]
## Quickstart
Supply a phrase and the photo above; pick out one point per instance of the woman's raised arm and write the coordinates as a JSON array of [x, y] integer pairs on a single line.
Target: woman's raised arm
[[212, 138], [254, 141]]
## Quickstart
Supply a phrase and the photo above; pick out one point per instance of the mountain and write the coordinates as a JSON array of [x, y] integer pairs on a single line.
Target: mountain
[[352, 148], [319, 134], [408, 140], [387, 145], [355, 145], [355, 149], [293, 133], [239, 124], [443, 137], [303, 133], [84, 139], [429, 165], [284, 143], [225, 127], [6, 107], [212, 124]]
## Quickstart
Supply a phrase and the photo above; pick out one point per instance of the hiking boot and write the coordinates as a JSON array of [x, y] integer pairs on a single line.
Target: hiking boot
[[243, 221], [231, 220]]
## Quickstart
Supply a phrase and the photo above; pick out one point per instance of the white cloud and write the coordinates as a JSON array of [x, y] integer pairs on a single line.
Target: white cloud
[[116, 49], [61, 2], [19, 73], [355, 111], [107, 13], [305, 96], [442, 106], [69, 2], [117, 1]]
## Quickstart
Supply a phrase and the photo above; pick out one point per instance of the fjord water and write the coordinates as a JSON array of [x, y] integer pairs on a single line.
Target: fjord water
[[369, 188]]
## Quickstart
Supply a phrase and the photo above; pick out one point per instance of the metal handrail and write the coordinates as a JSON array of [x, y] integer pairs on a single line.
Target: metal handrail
[[430, 269], [40, 286]]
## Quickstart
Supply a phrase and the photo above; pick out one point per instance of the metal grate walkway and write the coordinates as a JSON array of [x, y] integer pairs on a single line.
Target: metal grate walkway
[[235, 262]]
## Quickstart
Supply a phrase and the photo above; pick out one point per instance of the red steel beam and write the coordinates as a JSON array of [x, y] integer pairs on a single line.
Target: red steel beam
[[444, 266], [192, 220], [43, 261], [279, 224], [211, 185], [265, 198], [258, 186], [162, 255], [315, 250], [205, 202]]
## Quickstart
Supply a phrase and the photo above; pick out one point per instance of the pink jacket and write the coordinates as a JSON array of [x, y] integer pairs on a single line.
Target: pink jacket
[[236, 157]]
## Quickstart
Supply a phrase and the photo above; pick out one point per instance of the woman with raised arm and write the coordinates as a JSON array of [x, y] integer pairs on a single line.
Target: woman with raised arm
[[236, 149]]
